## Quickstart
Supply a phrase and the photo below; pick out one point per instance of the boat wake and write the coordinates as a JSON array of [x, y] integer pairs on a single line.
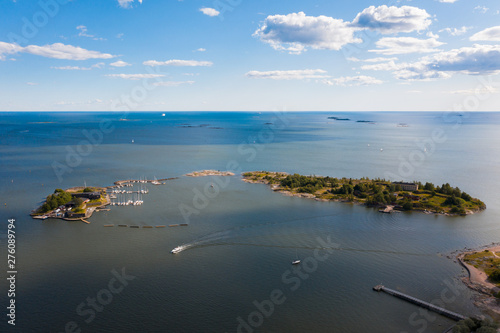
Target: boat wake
[[202, 241]]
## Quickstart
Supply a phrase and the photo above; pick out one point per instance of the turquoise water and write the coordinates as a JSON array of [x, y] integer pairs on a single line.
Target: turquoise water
[[243, 237]]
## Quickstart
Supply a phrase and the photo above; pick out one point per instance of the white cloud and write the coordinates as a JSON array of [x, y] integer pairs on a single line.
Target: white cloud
[[481, 9], [119, 63], [349, 81], [127, 3], [31, 83], [83, 33], [491, 35], [289, 75], [455, 31], [172, 83], [475, 60], [296, 31], [380, 59], [209, 11], [383, 66], [201, 49], [176, 62], [448, 1], [8, 48], [135, 76], [78, 68], [405, 45], [388, 20], [57, 51]]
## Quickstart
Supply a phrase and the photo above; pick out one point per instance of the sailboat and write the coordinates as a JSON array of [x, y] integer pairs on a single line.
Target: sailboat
[[297, 260]]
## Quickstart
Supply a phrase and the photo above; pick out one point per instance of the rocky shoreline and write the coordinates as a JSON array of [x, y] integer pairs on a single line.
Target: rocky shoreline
[[286, 192], [477, 280], [205, 173]]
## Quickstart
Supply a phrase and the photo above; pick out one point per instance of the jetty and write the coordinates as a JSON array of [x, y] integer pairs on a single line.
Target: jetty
[[423, 304]]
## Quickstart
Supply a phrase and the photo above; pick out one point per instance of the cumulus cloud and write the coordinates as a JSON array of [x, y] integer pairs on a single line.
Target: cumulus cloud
[[389, 20], [475, 60], [349, 81], [57, 51], [172, 83], [176, 62], [119, 63], [209, 11], [491, 35], [455, 31], [300, 74], [8, 48], [201, 49], [135, 76], [297, 31], [405, 45], [448, 1]]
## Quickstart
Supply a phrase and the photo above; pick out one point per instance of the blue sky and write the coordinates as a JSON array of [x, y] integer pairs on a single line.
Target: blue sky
[[242, 55]]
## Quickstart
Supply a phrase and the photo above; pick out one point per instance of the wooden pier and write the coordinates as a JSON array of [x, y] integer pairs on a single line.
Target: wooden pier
[[423, 304]]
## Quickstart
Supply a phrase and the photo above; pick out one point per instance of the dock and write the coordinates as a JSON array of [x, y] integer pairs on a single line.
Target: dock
[[423, 304]]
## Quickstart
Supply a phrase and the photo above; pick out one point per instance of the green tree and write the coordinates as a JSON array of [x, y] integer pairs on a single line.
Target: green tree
[[407, 205]]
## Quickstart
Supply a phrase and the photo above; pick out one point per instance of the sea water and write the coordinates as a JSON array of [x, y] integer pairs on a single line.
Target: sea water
[[241, 238]]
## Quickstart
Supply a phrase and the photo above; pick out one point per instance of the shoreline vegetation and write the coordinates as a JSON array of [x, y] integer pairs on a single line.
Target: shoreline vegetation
[[377, 193], [483, 268]]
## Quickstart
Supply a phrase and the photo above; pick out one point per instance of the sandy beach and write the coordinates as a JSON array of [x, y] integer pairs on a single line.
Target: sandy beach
[[477, 280]]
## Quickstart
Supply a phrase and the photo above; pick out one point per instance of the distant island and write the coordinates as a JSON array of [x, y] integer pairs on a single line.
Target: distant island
[[379, 193], [338, 118]]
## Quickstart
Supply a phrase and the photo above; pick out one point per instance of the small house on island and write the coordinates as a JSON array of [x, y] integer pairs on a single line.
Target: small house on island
[[407, 186]]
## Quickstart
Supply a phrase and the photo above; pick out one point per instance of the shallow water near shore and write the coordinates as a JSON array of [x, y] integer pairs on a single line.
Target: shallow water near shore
[[242, 237]]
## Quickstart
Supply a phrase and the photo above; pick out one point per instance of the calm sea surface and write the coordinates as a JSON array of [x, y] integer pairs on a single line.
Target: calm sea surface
[[241, 237]]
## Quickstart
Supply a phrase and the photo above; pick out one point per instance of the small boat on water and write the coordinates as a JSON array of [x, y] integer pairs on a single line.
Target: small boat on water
[[176, 250]]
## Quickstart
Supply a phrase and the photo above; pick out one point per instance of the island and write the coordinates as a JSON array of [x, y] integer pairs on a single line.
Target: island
[[205, 173], [379, 193], [79, 203], [340, 119], [73, 204]]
